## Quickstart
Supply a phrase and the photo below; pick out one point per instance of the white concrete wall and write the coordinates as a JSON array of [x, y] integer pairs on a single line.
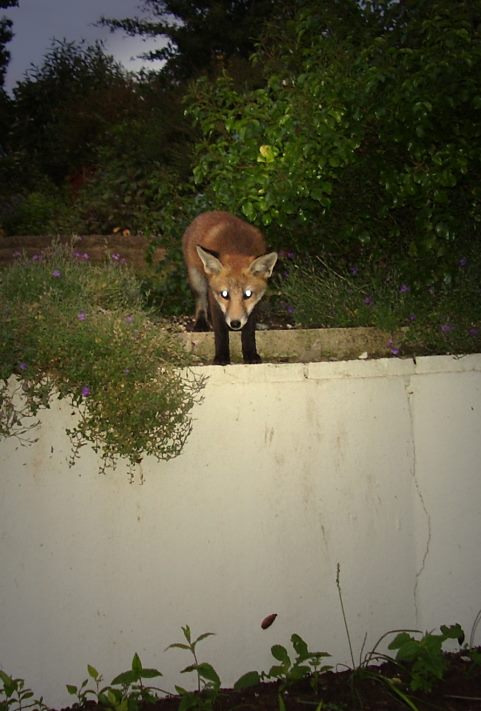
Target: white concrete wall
[[290, 469]]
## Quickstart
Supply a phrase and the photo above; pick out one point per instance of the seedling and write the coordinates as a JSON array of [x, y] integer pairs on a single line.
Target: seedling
[[208, 681], [15, 697], [424, 657], [128, 697]]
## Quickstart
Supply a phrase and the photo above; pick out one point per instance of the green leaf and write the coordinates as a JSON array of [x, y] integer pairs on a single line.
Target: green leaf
[[279, 652], [251, 678], [208, 672], [300, 646], [136, 664], [150, 673], [93, 673], [125, 678]]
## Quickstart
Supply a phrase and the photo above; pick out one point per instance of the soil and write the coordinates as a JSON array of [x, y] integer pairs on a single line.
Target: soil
[[459, 690]]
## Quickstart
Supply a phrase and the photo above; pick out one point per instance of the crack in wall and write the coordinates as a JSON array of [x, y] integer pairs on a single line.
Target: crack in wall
[[420, 570]]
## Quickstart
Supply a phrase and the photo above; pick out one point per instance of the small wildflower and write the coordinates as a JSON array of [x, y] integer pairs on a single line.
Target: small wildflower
[[354, 270], [446, 327], [116, 257], [404, 289], [17, 254], [81, 315], [83, 256], [290, 309], [85, 391], [22, 366], [412, 317], [463, 262], [394, 350], [129, 318], [368, 300], [56, 273], [474, 331], [37, 258]]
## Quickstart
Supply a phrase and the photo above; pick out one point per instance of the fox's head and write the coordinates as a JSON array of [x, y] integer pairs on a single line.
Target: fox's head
[[238, 283]]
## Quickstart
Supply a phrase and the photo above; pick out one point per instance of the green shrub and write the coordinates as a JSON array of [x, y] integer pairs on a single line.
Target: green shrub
[[76, 331]]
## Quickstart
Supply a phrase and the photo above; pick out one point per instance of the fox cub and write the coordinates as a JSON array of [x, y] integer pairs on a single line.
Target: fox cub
[[228, 272]]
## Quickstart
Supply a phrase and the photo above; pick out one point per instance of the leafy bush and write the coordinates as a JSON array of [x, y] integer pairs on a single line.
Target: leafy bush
[[365, 139], [77, 331]]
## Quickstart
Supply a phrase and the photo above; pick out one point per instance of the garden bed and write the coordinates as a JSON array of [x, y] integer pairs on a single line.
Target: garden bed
[[370, 688]]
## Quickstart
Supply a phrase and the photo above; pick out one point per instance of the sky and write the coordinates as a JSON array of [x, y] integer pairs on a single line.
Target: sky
[[37, 22]]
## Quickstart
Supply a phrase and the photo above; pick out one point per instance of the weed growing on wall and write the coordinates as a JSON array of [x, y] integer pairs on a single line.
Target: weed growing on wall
[[78, 332]]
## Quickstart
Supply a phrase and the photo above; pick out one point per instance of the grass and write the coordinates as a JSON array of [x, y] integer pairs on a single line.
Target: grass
[[436, 317]]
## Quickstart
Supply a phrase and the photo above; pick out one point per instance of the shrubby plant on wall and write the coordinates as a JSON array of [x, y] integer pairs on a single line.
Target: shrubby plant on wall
[[76, 331]]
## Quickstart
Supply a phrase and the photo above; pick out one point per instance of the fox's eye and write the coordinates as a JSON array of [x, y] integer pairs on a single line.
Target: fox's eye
[[224, 293], [248, 293]]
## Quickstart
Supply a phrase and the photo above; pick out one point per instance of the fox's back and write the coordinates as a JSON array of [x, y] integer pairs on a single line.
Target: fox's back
[[222, 233]]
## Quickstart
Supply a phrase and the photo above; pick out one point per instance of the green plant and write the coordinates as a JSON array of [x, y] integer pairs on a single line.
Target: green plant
[[289, 671], [79, 332], [377, 154], [424, 657], [442, 316], [128, 697], [208, 681], [14, 696]]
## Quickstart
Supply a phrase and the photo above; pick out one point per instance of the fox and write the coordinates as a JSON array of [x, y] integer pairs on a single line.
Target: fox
[[228, 269]]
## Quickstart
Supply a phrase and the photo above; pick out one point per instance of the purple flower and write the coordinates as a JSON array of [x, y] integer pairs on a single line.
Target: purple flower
[[412, 317], [81, 315], [56, 273], [17, 254], [82, 256], [129, 318], [446, 327], [290, 309], [85, 391], [474, 331], [37, 258], [463, 262], [354, 270], [22, 366], [394, 350], [404, 288], [368, 300], [115, 257]]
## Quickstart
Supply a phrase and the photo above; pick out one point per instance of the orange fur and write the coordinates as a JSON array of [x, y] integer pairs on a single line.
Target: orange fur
[[228, 272]]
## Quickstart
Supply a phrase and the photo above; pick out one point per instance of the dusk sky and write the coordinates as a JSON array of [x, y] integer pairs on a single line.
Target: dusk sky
[[37, 22]]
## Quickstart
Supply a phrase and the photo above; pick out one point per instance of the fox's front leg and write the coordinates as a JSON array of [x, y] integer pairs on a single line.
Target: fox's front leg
[[248, 340], [221, 334]]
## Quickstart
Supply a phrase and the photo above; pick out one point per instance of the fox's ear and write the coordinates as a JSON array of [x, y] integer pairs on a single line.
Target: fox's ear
[[264, 265], [211, 264]]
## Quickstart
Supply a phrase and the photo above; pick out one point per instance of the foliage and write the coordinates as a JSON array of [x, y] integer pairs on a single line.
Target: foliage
[[14, 696], [288, 671], [131, 692], [208, 681], [6, 35], [424, 656], [364, 139], [79, 332], [439, 317], [423, 659], [200, 35]]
